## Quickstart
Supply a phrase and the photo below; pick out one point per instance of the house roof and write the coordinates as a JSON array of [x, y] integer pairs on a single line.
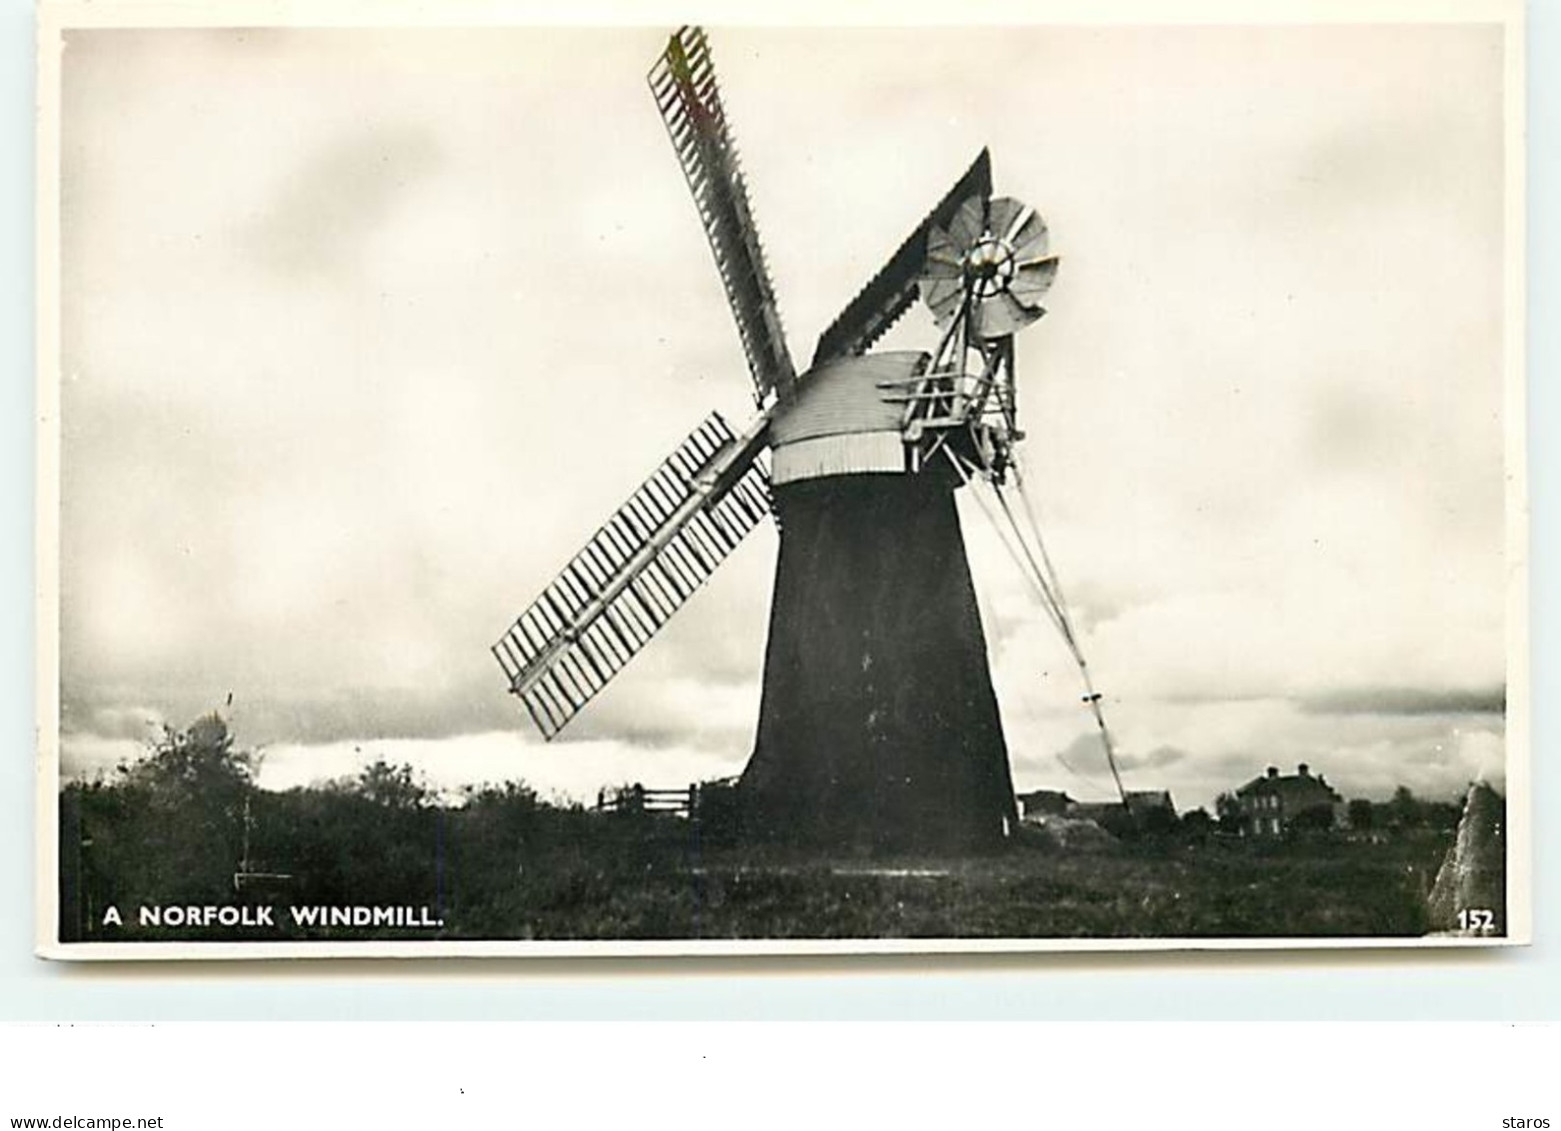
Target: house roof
[[1038, 794], [1302, 782]]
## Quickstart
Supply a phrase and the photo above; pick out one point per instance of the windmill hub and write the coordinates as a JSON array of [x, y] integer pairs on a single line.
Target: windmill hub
[[989, 267]]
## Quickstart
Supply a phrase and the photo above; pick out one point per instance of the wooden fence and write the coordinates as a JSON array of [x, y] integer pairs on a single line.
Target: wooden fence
[[638, 799], [698, 799]]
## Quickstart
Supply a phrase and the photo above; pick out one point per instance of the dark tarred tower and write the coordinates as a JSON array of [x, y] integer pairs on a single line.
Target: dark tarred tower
[[878, 726]]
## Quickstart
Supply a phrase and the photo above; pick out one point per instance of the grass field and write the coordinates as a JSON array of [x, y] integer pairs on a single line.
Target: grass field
[[1221, 889]]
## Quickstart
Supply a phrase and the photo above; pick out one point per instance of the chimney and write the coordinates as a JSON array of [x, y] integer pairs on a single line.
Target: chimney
[[1273, 771], [1302, 769]]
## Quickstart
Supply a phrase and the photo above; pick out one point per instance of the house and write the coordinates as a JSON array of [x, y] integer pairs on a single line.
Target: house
[[1142, 802], [1044, 802], [1149, 808], [1097, 811], [1275, 803]]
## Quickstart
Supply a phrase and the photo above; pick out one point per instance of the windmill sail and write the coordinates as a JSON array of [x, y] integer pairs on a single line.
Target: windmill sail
[[894, 289], [684, 84], [635, 572]]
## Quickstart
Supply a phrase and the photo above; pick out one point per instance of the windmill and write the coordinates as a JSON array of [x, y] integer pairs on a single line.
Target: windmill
[[878, 722]]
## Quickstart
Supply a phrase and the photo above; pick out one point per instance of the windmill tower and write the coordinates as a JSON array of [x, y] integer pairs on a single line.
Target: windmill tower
[[878, 724]]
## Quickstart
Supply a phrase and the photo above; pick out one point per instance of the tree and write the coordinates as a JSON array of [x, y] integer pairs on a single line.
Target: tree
[[394, 787], [198, 764], [1362, 813], [1227, 808], [373, 838], [1197, 824], [166, 829], [1404, 810]]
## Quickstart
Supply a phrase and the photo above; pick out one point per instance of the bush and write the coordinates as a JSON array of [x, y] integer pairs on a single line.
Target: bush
[[1319, 818], [168, 829]]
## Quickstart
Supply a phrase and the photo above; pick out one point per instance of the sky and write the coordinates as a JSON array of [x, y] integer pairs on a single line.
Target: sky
[[365, 331]]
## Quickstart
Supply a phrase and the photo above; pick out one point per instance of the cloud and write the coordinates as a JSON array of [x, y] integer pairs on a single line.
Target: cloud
[[1408, 701], [84, 757], [647, 710], [1158, 758], [112, 721], [1082, 759], [326, 208], [569, 771]]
